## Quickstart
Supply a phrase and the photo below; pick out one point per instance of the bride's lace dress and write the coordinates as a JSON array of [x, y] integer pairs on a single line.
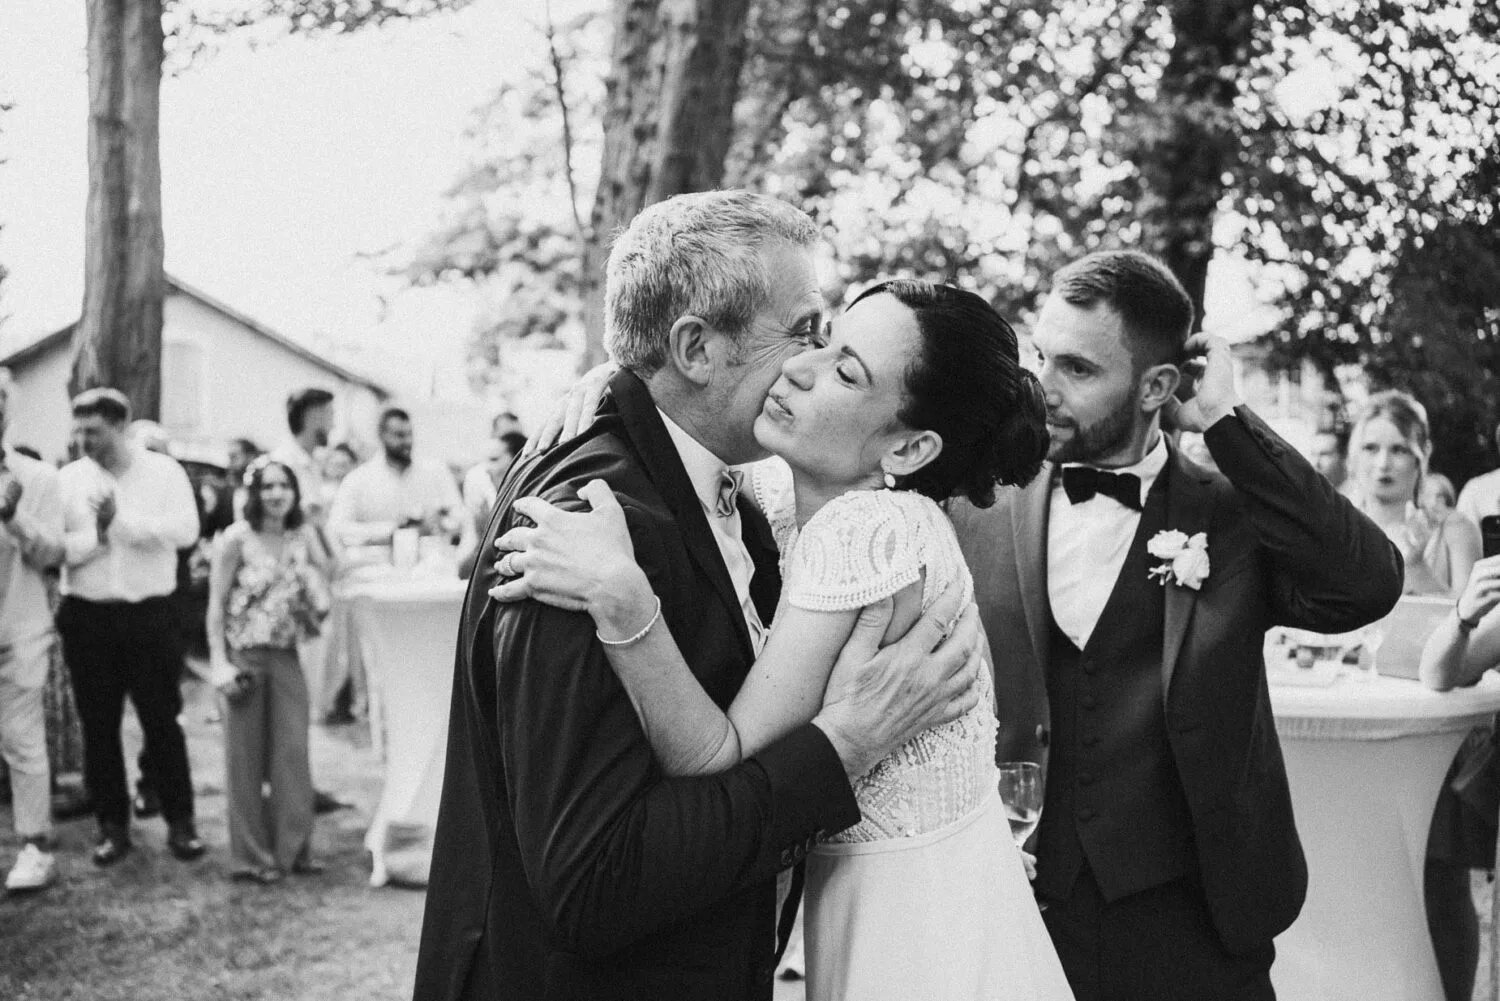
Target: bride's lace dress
[[926, 896]]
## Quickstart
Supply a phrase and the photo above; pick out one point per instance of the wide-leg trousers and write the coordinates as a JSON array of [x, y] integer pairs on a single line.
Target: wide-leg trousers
[[268, 775]]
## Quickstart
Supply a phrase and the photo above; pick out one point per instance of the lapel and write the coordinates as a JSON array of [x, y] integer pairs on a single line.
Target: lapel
[[1190, 506], [648, 435], [1029, 521]]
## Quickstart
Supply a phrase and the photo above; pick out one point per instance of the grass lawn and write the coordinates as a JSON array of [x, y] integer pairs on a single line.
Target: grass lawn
[[152, 928]]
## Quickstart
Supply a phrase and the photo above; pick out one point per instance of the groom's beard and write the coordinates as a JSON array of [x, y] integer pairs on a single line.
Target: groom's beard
[[1099, 440]]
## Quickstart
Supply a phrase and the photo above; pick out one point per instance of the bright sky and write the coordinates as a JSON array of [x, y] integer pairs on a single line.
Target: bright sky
[[279, 166]]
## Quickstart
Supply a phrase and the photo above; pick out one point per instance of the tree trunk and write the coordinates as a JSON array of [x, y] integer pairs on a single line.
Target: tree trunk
[[668, 121], [1182, 155], [118, 339]]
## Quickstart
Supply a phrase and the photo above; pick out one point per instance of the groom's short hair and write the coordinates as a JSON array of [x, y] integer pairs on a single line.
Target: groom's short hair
[[697, 254], [1153, 305]]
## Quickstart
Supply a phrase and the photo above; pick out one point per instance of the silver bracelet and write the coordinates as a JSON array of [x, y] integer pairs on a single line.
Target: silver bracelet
[[638, 636]]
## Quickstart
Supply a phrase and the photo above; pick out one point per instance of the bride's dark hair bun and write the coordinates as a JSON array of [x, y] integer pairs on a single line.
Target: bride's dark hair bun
[[967, 385]]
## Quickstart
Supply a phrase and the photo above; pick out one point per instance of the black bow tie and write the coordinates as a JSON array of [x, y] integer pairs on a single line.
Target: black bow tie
[[1084, 482]]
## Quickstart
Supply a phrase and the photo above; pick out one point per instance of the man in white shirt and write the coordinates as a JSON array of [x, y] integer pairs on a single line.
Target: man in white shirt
[[482, 481], [31, 543], [394, 490], [126, 512], [1480, 497], [1126, 593], [309, 417]]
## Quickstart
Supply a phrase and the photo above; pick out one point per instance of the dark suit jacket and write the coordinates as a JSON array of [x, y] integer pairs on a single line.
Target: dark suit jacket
[[1285, 549], [566, 864]]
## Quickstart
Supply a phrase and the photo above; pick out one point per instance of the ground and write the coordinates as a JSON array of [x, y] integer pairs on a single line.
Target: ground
[[152, 928], [155, 929]]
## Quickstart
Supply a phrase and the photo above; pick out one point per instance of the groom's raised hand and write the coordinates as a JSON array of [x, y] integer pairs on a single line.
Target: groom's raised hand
[[878, 699], [1211, 369]]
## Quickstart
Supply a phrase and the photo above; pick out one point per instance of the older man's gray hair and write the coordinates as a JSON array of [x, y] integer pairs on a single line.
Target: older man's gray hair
[[697, 254]]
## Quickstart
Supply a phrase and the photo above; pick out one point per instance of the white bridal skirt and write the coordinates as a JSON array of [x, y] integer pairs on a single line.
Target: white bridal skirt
[[946, 915]]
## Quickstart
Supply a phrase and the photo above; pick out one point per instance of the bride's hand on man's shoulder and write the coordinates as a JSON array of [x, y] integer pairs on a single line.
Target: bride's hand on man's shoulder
[[574, 413], [577, 560]]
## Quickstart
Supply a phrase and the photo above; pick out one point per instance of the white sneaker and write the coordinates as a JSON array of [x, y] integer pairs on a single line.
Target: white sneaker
[[32, 871]]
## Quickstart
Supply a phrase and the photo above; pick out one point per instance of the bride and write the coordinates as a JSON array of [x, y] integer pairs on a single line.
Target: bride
[[917, 396]]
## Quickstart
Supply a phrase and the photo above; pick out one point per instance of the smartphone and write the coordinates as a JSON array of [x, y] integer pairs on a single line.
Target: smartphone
[[1489, 533]]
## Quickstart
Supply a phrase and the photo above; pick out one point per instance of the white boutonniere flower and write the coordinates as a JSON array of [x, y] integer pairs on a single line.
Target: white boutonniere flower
[[1184, 558]]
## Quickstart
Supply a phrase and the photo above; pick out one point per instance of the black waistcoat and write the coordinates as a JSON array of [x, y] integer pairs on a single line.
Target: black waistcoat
[[1113, 796]]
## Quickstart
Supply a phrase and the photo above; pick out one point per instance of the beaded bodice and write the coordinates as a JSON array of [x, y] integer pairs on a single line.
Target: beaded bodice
[[863, 546]]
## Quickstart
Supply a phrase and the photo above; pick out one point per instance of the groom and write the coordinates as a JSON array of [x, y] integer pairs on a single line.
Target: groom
[[1167, 858], [566, 865]]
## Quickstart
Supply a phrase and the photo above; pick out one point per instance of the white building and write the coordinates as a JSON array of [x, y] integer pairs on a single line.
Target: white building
[[224, 375]]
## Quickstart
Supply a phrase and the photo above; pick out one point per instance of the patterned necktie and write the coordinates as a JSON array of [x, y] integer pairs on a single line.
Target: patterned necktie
[[729, 488], [1085, 482]]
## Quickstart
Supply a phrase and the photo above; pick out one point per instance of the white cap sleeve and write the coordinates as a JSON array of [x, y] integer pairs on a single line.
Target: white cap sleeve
[[861, 547]]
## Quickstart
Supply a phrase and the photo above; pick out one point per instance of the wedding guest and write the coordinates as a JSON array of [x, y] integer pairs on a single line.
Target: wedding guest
[[309, 418], [1329, 458], [1459, 651], [338, 462], [1391, 443], [395, 490], [126, 513], [31, 545], [482, 481], [266, 590], [342, 694], [1438, 498], [1480, 497]]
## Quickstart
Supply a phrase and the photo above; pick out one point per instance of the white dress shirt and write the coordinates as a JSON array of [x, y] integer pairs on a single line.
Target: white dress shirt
[[376, 498], [30, 544], [705, 469], [1087, 544], [154, 517]]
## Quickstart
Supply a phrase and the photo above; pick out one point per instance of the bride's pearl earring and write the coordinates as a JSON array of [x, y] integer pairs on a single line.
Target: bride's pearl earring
[[890, 480]]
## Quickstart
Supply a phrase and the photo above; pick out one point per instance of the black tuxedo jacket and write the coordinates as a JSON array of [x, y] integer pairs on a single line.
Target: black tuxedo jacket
[[1285, 548], [566, 864]]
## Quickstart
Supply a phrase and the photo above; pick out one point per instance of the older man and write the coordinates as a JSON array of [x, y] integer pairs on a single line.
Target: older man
[[31, 543], [1126, 593], [566, 864], [126, 512]]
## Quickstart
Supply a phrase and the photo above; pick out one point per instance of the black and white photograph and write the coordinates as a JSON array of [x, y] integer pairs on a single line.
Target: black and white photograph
[[775, 500]]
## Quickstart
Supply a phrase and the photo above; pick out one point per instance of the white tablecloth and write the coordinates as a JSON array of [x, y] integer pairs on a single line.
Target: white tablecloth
[[1365, 758], [406, 630]]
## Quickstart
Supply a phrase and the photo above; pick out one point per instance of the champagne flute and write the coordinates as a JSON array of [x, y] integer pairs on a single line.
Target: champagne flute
[[1021, 792]]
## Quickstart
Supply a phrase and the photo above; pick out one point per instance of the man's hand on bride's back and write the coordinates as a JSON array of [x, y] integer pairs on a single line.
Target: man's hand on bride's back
[[878, 699], [575, 412]]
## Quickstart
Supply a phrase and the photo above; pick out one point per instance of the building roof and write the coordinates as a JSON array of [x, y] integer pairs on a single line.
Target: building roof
[[61, 338]]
